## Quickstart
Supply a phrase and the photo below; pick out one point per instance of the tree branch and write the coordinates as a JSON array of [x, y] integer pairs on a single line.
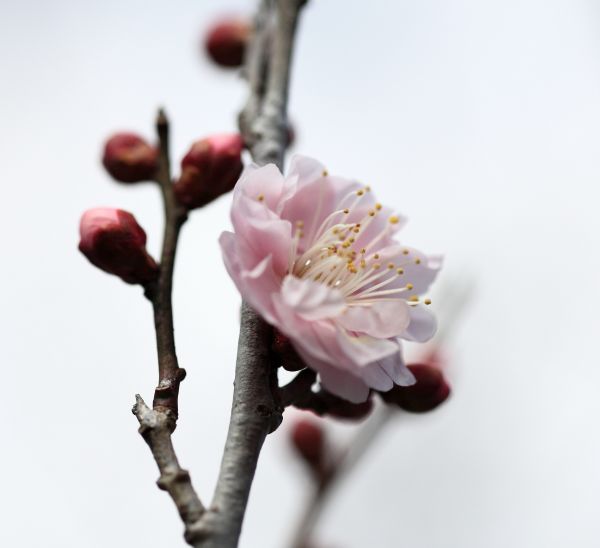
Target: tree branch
[[158, 423], [255, 410]]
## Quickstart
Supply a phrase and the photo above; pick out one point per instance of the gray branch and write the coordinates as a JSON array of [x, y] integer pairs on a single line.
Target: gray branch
[[255, 410]]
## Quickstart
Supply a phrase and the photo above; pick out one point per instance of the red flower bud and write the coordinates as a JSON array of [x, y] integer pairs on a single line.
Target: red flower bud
[[210, 168], [130, 159], [113, 241], [309, 441], [430, 390], [226, 42], [350, 411], [287, 357]]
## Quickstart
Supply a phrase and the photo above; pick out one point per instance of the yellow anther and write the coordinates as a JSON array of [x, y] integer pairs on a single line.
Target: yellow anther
[[409, 286], [367, 188], [417, 261], [372, 213], [360, 192], [363, 263], [376, 256], [336, 230], [400, 271], [300, 233], [394, 219], [325, 173], [378, 207], [356, 230], [363, 250], [405, 252], [391, 266], [376, 266], [413, 299], [351, 240], [260, 197], [300, 224], [427, 301], [346, 211]]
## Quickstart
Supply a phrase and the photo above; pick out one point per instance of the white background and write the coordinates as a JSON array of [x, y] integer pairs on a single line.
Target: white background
[[478, 120]]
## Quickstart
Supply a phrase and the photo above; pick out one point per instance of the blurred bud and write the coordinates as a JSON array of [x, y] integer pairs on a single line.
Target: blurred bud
[[291, 134], [130, 159], [430, 390], [226, 41], [113, 241], [288, 358], [308, 440], [350, 411], [210, 168]]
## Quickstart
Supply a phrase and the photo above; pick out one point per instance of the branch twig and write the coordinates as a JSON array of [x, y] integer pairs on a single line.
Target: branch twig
[[336, 470], [255, 409], [157, 424]]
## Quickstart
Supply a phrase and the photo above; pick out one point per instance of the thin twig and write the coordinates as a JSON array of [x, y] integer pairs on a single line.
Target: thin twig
[[157, 424], [339, 467]]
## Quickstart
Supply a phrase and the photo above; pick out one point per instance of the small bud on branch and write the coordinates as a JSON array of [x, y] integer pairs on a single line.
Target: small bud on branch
[[210, 169], [112, 240], [130, 159], [308, 439], [226, 42], [430, 390]]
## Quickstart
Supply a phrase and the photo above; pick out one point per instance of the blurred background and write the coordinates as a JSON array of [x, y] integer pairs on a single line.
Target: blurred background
[[478, 120]]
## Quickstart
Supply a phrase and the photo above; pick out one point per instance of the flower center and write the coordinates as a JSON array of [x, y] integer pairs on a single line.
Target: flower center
[[333, 258]]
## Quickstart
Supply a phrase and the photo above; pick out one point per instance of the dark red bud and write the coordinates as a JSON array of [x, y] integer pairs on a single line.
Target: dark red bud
[[113, 241], [430, 390], [350, 411], [130, 159], [287, 357], [226, 42], [291, 134], [308, 440], [210, 168]]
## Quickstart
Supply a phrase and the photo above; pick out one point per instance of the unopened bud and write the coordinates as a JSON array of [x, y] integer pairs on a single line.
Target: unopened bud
[[309, 441], [226, 41], [430, 390], [210, 168], [350, 411], [285, 354], [113, 241], [130, 159]]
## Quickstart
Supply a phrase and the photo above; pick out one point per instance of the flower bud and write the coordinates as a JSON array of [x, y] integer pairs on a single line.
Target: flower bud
[[287, 357], [226, 42], [113, 241], [308, 440], [130, 159], [210, 168], [430, 390]]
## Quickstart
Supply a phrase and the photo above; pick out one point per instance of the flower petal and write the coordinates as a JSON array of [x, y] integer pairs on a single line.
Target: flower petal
[[380, 319], [422, 325], [312, 300], [256, 285]]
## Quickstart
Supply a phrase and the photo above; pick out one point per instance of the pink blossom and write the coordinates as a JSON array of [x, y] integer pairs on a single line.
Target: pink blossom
[[315, 256]]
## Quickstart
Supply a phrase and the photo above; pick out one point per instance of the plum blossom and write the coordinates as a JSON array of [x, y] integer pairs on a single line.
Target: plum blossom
[[315, 256]]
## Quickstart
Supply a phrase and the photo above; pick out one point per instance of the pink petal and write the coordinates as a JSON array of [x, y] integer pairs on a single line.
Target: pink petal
[[311, 300], [381, 319], [256, 182], [256, 285], [263, 233], [422, 325], [335, 380], [360, 350]]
